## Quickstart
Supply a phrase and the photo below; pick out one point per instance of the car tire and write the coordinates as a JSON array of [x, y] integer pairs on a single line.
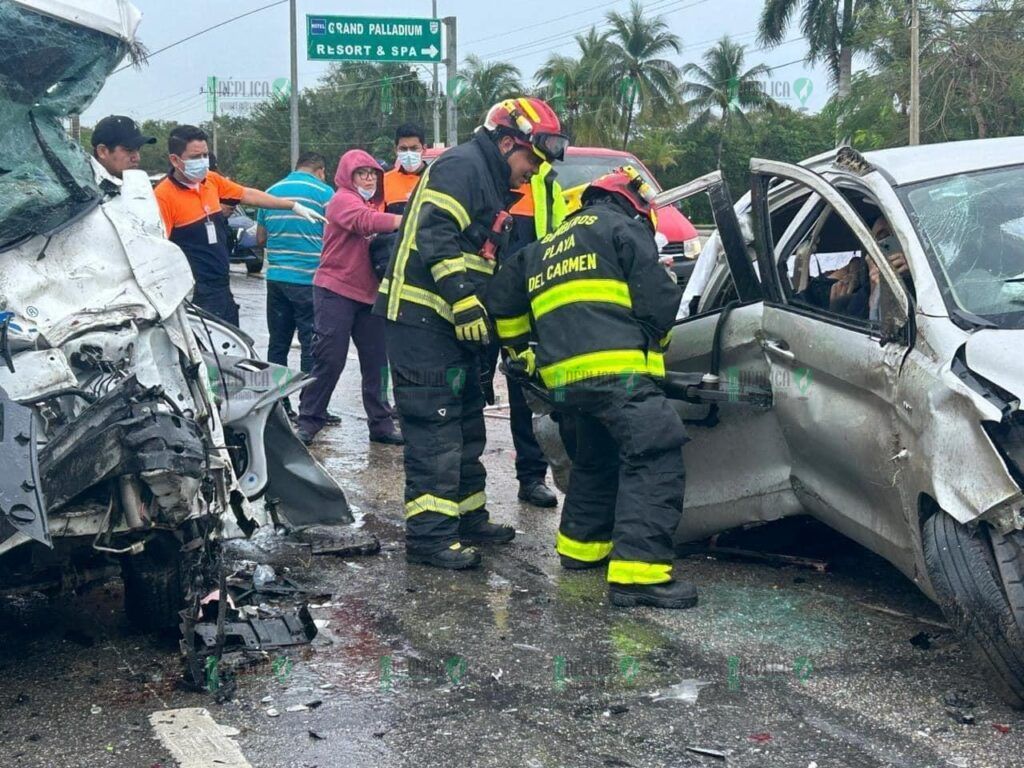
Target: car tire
[[978, 577], [156, 585], [254, 265]]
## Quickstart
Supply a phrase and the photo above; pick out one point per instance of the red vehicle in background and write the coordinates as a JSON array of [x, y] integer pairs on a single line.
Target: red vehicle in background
[[679, 239]]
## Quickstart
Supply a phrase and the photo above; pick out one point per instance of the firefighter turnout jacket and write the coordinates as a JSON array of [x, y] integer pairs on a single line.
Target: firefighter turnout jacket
[[541, 207], [437, 263], [592, 295]]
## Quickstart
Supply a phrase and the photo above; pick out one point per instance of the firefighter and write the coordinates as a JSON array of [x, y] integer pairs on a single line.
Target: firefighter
[[437, 328], [587, 311], [540, 209]]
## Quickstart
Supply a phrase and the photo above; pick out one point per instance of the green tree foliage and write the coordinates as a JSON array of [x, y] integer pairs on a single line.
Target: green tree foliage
[[723, 89], [487, 82]]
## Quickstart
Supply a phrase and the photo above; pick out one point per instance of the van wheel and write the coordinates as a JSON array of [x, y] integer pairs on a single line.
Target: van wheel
[[978, 576], [156, 585]]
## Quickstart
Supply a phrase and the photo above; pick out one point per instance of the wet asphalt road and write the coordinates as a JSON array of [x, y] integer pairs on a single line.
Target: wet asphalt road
[[518, 663]]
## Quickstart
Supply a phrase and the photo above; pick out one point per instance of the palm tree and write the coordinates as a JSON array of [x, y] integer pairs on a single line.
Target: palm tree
[[830, 27], [634, 62], [722, 86], [487, 82]]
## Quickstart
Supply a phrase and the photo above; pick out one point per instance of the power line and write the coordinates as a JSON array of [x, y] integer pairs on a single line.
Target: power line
[[176, 43]]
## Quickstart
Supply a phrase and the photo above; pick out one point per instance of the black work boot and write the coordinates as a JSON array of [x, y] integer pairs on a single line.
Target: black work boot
[[668, 594], [475, 528], [572, 564], [454, 558], [537, 494]]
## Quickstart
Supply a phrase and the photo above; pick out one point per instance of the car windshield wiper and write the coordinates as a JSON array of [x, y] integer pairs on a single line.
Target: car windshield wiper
[[969, 321]]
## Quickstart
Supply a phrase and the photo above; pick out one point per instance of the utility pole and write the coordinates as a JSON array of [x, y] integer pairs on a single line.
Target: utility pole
[[915, 74], [437, 91], [293, 96], [452, 68], [213, 123]]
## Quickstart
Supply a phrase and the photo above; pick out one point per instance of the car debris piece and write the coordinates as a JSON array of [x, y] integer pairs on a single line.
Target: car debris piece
[[712, 549], [288, 628], [22, 506], [337, 540], [720, 754]]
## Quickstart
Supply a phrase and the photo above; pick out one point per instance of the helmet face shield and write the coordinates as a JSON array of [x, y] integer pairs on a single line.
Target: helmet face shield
[[551, 145]]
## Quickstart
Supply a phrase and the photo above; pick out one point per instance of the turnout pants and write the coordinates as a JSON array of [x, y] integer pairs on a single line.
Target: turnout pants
[[531, 466], [626, 488], [441, 410], [336, 320]]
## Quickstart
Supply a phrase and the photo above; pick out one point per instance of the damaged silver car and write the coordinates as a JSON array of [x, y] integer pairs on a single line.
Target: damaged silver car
[[852, 350], [133, 432]]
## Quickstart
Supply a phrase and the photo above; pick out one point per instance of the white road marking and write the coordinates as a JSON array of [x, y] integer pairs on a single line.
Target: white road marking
[[195, 740]]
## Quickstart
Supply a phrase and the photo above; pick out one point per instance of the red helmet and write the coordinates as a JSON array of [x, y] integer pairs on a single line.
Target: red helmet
[[531, 122], [629, 185]]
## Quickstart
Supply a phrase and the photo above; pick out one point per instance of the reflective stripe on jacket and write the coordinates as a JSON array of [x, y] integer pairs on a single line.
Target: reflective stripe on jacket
[[593, 297]]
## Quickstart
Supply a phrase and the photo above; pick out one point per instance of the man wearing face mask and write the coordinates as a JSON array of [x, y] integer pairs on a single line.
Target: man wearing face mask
[[409, 166], [437, 327], [190, 200]]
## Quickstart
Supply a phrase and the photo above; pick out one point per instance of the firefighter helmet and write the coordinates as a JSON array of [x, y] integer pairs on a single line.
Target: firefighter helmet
[[532, 123], [629, 185]]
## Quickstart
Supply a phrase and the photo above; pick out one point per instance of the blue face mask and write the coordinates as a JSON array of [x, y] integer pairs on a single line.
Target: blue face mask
[[410, 160], [367, 194], [196, 168]]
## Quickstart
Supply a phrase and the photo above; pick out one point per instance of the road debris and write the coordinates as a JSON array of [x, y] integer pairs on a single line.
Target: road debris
[[687, 692]]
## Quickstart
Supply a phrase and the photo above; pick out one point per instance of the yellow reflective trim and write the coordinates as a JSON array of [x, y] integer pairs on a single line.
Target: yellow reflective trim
[[528, 109], [633, 572], [470, 302], [585, 551], [429, 503], [429, 300], [479, 264], [449, 205], [665, 340], [443, 269], [509, 328], [472, 503], [603, 291], [606, 363], [409, 227], [384, 285], [656, 364]]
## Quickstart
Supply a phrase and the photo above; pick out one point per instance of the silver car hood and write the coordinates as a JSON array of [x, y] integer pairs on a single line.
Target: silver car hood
[[996, 355]]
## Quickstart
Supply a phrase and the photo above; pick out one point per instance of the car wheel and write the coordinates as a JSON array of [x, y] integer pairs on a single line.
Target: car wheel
[[156, 585], [978, 576], [254, 265]]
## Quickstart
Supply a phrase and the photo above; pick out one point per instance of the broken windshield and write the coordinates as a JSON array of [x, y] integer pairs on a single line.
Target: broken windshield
[[50, 69], [972, 226]]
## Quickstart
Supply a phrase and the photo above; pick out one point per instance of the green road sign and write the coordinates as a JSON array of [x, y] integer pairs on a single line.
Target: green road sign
[[368, 38]]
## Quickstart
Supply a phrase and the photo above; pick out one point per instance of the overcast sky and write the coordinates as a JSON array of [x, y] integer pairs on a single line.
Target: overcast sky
[[524, 32]]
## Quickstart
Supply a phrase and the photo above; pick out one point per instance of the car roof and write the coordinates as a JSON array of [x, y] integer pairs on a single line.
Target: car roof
[[596, 152], [909, 165]]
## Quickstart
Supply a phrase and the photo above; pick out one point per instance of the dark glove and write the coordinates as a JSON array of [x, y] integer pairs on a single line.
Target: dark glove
[[471, 323]]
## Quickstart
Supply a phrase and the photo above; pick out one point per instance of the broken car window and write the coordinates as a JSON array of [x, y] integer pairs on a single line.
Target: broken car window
[[972, 227], [51, 69]]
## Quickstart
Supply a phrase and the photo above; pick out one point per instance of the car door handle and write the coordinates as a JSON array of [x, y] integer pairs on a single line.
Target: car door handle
[[779, 347]]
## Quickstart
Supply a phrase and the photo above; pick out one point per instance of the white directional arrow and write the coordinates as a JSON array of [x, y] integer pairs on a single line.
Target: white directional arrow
[[432, 51]]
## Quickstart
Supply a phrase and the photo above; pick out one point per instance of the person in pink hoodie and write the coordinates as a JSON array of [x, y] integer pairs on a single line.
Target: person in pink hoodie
[[344, 289]]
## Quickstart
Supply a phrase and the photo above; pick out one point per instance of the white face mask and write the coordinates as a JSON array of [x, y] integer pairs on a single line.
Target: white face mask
[[196, 168], [367, 194], [410, 160]]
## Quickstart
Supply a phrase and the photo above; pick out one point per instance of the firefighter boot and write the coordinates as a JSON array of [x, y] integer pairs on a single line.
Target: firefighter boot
[[668, 594], [454, 558], [475, 529]]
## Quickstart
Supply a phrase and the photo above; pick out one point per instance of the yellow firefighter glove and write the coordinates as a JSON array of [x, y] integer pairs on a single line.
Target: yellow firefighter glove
[[525, 361], [470, 319]]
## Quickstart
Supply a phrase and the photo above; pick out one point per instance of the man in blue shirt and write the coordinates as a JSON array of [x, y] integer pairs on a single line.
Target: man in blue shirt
[[293, 248]]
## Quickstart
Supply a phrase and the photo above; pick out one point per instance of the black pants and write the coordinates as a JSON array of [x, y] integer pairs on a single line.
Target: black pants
[[626, 488], [289, 310], [441, 410], [531, 466], [215, 297]]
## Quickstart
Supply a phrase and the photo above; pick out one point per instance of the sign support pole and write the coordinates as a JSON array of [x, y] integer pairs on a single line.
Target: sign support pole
[[437, 91], [451, 63], [293, 96]]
